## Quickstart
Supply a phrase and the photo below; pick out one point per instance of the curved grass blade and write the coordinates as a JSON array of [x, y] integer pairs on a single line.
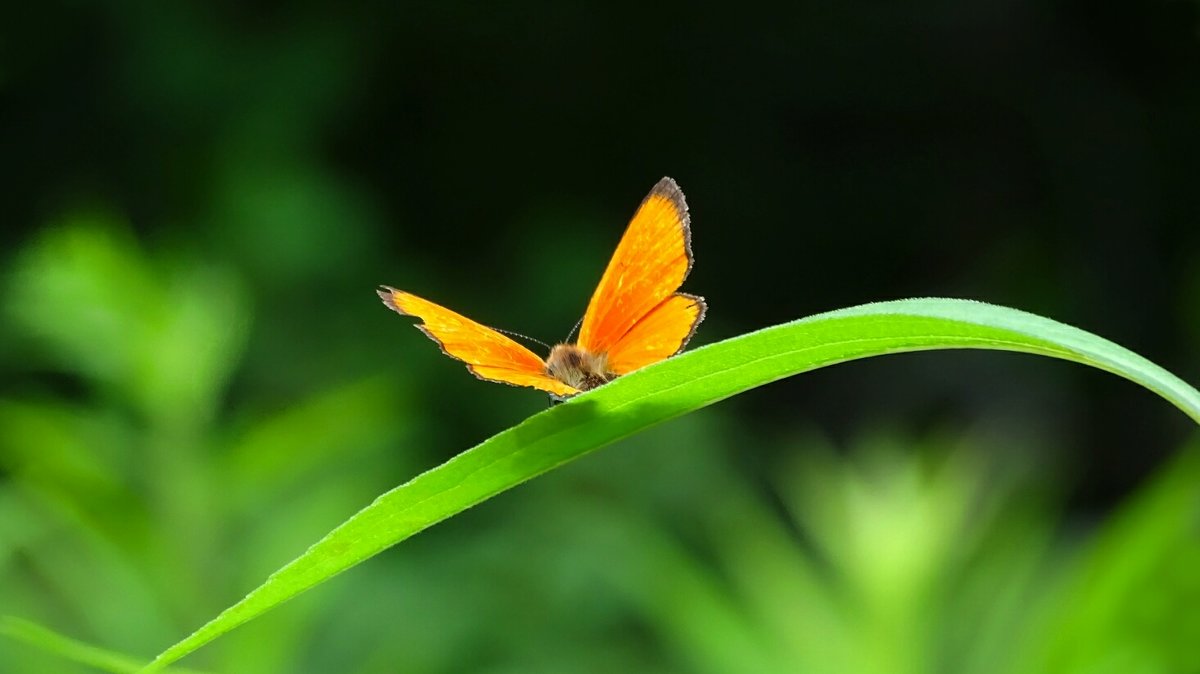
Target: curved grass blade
[[666, 390], [70, 649]]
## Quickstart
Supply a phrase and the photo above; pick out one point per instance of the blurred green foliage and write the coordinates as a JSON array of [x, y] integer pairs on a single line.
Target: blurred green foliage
[[159, 481], [196, 381]]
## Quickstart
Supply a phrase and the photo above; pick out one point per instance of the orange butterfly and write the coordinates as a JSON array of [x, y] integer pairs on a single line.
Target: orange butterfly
[[635, 317]]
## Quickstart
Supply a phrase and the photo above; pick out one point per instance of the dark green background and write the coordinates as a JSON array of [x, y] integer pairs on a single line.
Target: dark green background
[[1041, 155]]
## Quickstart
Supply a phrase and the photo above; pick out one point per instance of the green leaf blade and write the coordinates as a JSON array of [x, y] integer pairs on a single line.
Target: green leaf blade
[[664, 391], [73, 650]]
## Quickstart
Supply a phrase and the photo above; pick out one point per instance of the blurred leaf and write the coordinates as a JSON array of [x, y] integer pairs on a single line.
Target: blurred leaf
[[66, 562], [18, 526], [669, 389], [78, 290], [76, 651], [1130, 605], [53, 444], [262, 201], [901, 535], [279, 449], [166, 338], [761, 591]]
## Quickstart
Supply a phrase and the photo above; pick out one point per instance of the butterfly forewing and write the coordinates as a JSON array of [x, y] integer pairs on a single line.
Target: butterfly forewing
[[650, 263], [488, 354]]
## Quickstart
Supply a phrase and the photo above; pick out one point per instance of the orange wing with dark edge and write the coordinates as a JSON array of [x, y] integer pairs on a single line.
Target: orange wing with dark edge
[[488, 354], [659, 335], [650, 263]]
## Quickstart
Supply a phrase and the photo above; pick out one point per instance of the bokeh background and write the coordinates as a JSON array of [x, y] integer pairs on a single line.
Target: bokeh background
[[197, 380]]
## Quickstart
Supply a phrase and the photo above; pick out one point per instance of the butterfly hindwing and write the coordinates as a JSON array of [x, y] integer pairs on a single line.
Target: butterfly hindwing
[[650, 263], [488, 354], [660, 334]]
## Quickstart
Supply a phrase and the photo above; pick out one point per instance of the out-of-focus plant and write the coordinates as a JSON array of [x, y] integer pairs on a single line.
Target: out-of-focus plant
[[130, 493], [911, 557], [98, 658]]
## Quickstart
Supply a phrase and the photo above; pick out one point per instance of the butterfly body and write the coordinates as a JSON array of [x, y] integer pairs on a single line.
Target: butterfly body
[[636, 316], [578, 368]]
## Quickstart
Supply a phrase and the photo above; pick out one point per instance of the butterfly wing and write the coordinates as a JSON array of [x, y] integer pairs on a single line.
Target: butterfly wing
[[488, 354], [660, 334], [635, 315]]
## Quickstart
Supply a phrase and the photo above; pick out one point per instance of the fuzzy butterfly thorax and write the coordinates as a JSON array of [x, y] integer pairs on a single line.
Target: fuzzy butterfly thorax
[[578, 368]]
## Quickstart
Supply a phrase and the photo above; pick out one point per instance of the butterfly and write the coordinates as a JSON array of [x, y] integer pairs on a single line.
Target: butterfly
[[636, 315]]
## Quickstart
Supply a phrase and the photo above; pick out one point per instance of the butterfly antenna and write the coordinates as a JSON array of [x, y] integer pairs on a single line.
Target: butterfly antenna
[[525, 337], [573, 331]]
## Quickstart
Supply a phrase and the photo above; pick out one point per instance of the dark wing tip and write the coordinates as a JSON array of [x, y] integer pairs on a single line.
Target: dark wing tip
[[387, 294], [668, 189]]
